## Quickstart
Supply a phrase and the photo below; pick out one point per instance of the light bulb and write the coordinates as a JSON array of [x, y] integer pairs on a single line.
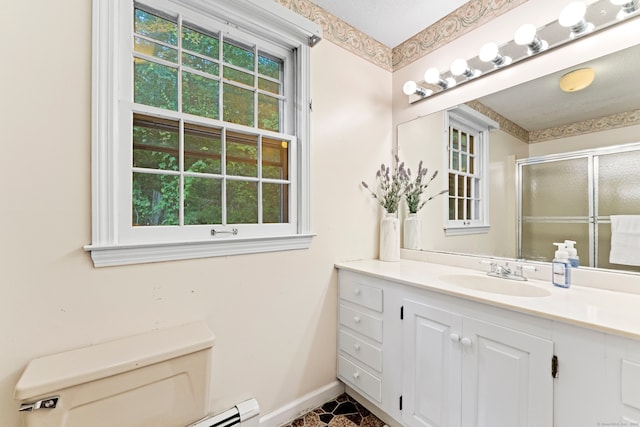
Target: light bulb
[[488, 52], [525, 34], [572, 16], [629, 7], [432, 76], [409, 88], [459, 66]]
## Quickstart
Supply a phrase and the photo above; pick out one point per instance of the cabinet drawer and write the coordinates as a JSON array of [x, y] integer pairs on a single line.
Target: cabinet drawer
[[360, 350], [360, 379], [355, 290], [363, 323]]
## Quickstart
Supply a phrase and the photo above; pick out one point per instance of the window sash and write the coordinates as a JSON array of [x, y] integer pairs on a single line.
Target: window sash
[[112, 120], [130, 234], [466, 206]]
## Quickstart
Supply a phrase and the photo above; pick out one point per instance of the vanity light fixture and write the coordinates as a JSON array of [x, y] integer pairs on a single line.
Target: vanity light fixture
[[526, 36], [572, 16], [491, 53], [460, 67], [411, 88], [628, 8], [577, 80], [432, 76]]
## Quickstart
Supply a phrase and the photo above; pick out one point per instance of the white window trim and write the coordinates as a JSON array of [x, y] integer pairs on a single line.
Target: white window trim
[[105, 248], [473, 119]]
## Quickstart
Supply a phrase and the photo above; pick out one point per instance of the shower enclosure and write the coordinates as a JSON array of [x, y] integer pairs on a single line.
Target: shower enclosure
[[571, 196]]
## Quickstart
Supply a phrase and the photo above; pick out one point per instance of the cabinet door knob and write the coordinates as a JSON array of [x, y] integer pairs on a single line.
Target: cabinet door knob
[[358, 291], [466, 342], [356, 319], [356, 347], [356, 375], [454, 337]]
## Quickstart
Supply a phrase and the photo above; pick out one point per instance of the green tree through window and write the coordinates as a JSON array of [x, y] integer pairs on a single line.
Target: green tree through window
[[186, 170]]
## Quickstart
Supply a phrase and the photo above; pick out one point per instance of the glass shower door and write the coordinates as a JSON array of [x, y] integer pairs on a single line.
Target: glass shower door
[[555, 206], [618, 193]]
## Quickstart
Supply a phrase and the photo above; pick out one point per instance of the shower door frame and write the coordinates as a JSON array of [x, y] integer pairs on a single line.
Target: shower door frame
[[593, 219]]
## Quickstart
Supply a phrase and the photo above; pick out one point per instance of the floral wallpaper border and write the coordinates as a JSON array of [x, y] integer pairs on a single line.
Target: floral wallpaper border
[[467, 17], [464, 19], [614, 121], [341, 33], [506, 125]]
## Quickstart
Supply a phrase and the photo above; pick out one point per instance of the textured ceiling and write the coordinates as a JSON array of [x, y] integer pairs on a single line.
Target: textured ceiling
[[390, 22]]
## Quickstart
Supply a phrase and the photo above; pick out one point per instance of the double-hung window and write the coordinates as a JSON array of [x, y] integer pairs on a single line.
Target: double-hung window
[[200, 129], [467, 165]]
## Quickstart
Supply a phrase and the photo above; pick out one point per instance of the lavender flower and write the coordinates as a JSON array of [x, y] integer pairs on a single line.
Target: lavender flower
[[414, 188], [391, 186]]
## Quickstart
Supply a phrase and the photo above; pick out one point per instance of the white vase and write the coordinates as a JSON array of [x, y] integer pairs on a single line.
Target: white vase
[[412, 232], [390, 238]]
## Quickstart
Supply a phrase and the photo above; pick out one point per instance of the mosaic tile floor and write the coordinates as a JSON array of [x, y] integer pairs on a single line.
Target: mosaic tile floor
[[344, 411]]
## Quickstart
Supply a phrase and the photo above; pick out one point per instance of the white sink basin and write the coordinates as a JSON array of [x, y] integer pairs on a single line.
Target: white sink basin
[[495, 285]]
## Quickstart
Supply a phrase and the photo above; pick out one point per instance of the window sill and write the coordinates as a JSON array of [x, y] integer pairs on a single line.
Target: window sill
[[113, 255], [472, 229]]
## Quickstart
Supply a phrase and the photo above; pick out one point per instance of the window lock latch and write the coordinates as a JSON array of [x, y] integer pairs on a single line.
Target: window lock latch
[[215, 232]]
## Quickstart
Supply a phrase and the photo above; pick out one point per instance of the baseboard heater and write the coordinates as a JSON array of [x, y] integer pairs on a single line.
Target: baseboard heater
[[244, 414]]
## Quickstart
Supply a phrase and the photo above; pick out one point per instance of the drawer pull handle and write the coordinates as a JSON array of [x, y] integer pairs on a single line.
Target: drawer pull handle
[[356, 319], [356, 347], [466, 342], [358, 291], [356, 375], [454, 337]]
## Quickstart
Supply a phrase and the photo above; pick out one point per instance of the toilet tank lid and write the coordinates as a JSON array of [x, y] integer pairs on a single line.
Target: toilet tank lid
[[48, 374]]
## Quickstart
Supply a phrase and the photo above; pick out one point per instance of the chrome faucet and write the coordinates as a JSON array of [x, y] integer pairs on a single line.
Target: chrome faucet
[[507, 272]]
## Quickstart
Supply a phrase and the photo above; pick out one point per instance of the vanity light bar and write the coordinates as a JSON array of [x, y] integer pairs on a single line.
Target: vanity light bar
[[577, 17]]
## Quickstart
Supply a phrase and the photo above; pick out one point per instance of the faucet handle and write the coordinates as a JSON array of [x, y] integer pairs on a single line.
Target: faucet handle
[[521, 267], [518, 271]]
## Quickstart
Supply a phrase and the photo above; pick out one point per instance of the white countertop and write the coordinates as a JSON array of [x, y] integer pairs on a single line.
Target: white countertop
[[599, 309]]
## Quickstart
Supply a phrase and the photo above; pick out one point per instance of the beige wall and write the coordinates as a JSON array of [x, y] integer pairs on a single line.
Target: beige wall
[[274, 315]]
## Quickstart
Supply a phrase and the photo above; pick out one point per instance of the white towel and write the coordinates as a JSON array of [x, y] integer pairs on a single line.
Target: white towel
[[625, 240]]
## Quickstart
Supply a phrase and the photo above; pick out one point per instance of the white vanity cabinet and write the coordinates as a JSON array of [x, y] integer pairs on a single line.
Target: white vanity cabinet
[[432, 355], [461, 371], [430, 360], [360, 334]]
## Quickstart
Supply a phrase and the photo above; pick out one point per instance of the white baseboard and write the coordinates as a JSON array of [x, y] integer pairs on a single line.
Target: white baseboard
[[293, 410]]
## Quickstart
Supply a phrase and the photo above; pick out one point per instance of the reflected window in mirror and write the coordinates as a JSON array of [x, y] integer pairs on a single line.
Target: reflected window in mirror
[[467, 147]]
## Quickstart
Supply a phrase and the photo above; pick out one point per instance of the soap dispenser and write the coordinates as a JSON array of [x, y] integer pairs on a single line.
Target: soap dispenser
[[574, 259], [561, 267]]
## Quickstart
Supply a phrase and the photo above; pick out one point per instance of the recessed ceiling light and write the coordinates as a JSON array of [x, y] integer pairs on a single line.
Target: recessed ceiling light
[[577, 80]]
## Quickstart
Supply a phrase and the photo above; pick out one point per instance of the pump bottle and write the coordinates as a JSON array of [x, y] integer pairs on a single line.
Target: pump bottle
[[561, 267], [574, 259]]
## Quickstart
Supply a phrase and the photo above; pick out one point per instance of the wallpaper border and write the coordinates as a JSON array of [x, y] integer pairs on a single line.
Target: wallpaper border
[[464, 19]]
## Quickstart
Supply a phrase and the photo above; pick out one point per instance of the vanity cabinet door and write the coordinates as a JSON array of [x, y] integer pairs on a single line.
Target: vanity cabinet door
[[460, 371], [431, 383], [506, 375]]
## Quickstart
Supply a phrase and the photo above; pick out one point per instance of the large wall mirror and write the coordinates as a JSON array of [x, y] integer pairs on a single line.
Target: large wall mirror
[[541, 126]]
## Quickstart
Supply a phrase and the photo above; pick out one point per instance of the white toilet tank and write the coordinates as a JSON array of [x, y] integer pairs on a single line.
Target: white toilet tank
[[157, 379]]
